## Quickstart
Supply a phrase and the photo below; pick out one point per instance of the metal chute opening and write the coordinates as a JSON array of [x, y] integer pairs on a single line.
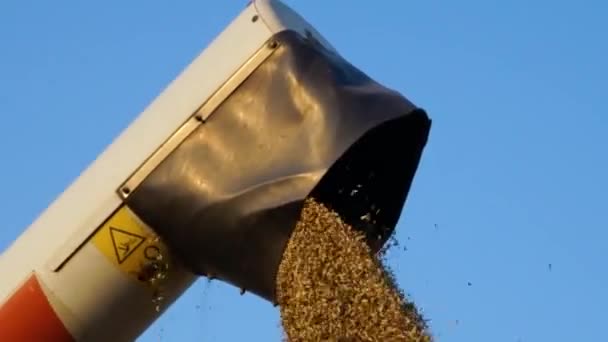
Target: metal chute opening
[[368, 185]]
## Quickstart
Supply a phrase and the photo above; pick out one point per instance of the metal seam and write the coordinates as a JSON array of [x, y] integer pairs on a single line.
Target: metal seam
[[198, 118]]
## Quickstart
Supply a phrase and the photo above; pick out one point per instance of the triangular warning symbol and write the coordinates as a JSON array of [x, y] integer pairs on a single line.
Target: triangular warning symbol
[[125, 243]]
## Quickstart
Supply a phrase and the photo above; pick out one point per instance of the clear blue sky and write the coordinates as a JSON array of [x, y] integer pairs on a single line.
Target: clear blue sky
[[513, 178]]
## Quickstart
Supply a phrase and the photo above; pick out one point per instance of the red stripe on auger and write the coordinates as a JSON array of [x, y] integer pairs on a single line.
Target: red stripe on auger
[[28, 316]]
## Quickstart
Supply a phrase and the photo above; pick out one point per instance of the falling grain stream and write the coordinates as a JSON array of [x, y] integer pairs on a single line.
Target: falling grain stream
[[330, 286]]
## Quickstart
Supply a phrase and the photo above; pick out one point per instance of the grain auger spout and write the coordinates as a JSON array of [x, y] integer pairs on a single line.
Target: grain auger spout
[[302, 122], [210, 180]]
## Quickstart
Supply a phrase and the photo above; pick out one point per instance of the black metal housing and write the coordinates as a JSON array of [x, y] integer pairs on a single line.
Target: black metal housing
[[304, 123]]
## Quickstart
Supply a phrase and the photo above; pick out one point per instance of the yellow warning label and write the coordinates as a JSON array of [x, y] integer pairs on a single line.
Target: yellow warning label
[[124, 243], [133, 247]]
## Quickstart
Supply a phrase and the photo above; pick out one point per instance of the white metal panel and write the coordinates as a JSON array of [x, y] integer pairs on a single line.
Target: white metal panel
[[77, 212], [102, 301], [280, 17]]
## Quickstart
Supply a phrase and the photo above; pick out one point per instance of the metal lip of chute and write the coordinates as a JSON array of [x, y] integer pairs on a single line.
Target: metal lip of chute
[[197, 118], [296, 121]]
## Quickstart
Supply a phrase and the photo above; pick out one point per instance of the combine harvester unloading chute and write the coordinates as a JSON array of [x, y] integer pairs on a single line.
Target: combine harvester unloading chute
[[209, 181]]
